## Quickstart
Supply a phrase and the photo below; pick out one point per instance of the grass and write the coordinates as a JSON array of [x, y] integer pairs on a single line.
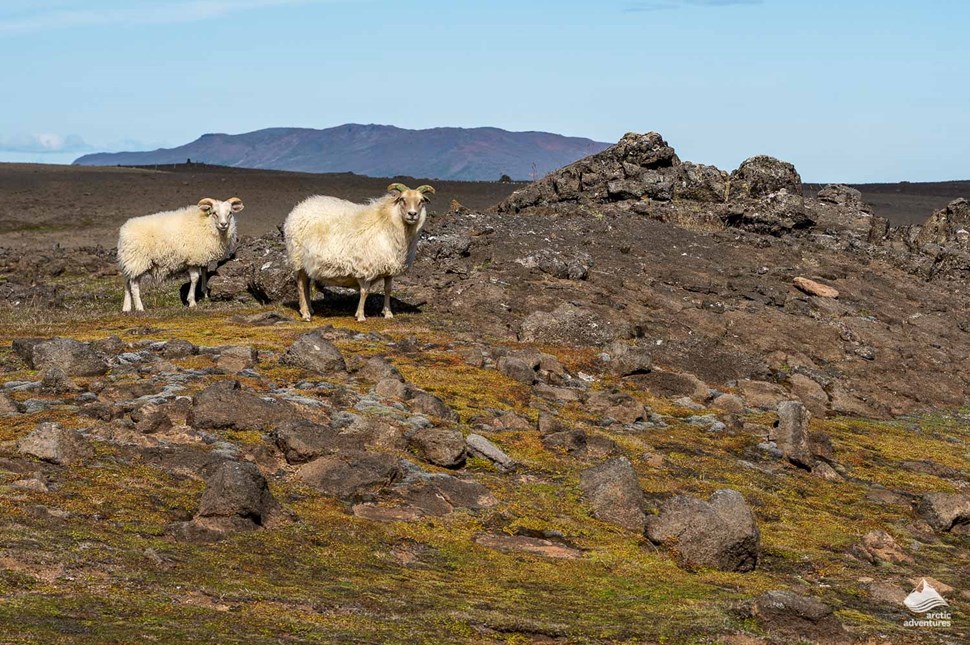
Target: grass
[[90, 559]]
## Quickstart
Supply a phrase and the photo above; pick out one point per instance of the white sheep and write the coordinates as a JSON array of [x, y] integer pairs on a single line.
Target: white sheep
[[340, 243], [172, 242]]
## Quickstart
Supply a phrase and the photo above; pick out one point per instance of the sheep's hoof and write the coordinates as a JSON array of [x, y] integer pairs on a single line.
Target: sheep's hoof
[[361, 318], [305, 317], [191, 304], [388, 314]]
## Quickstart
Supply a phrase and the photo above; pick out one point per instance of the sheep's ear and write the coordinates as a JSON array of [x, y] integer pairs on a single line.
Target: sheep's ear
[[425, 190], [206, 205], [236, 204]]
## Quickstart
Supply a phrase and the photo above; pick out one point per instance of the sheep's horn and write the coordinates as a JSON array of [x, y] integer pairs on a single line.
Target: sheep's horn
[[425, 189], [206, 203], [398, 187]]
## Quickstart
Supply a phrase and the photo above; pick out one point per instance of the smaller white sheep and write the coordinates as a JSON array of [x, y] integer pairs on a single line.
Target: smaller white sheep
[[173, 242], [340, 243]]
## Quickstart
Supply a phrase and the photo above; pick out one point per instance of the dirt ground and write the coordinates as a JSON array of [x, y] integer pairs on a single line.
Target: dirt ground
[[44, 205]]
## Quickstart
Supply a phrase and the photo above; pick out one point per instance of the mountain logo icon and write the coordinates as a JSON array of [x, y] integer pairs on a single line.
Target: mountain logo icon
[[924, 598]]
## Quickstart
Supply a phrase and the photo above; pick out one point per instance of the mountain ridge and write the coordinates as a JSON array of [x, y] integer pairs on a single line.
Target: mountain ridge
[[482, 153]]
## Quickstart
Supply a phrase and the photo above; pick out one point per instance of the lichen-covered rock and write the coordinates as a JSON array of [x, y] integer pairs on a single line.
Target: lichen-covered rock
[[443, 447], [762, 175], [945, 511], [73, 357], [783, 613], [314, 353], [56, 444], [613, 492], [720, 533]]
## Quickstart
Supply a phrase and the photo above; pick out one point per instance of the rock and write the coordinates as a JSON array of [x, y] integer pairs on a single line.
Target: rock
[[945, 511], [825, 471], [392, 388], [813, 288], [792, 433], [880, 546], [54, 380], [809, 393], [56, 444], [613, 492], [352, 475], [763, 175], [73, 357], [709, 422], [567, 266], [314, 353], [626, 360], [426, 403], [521, 543], [844, 196], [378, 368], [728, 403], [761, 394], [443, 447], [178, 348], [790, 615], [8, 407], [721, 533], [225, 404], [887, 593], [440, 494], [569, 441], [701, 183], [479, 446], [617, 406], [302, 441], [237, 489], [567, 323], [517, 369], [236, 359]]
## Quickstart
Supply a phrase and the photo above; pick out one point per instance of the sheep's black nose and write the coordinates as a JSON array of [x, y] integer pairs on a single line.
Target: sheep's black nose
[[412, 213]]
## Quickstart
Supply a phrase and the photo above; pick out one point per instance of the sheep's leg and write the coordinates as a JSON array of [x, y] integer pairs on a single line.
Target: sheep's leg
[[303, 290], [364, 290], [193, 281], [136, 292], [387, 297], [204, 281], [126, 307]]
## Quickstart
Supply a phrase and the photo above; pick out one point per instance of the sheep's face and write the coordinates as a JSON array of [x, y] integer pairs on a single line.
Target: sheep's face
[[411, 203], [221, 213]]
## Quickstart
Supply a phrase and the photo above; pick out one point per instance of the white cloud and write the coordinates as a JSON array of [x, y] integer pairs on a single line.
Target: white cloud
[[44, 143], [17, 17]]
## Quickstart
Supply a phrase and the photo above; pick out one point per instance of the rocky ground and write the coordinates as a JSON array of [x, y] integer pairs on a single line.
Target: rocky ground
[[640, 400]]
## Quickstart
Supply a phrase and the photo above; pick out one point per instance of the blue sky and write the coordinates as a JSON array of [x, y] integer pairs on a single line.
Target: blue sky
[[850, 91]]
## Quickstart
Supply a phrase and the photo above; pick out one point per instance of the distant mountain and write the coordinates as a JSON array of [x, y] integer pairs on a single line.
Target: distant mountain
[[376, 151]]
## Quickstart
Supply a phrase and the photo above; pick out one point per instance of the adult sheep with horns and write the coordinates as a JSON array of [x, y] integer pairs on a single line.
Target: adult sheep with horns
[[336, 242]]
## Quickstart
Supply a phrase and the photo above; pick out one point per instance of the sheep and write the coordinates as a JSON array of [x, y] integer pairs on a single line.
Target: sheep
[[172, 242], [336, 242]]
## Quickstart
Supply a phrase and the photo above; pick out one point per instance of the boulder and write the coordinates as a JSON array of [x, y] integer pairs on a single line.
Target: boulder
[[843, 196], [763, 175], [613, 492], [800, 618], [8, 407], [301, 441], [314, 353], [443, 447], [73, 357], [813, 288], [720, 533], [351, 475], [945, 511], [626, 359], [792, 433], [56, 444], [479, 446], [237, 489], [697, 182], [226, 404]]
